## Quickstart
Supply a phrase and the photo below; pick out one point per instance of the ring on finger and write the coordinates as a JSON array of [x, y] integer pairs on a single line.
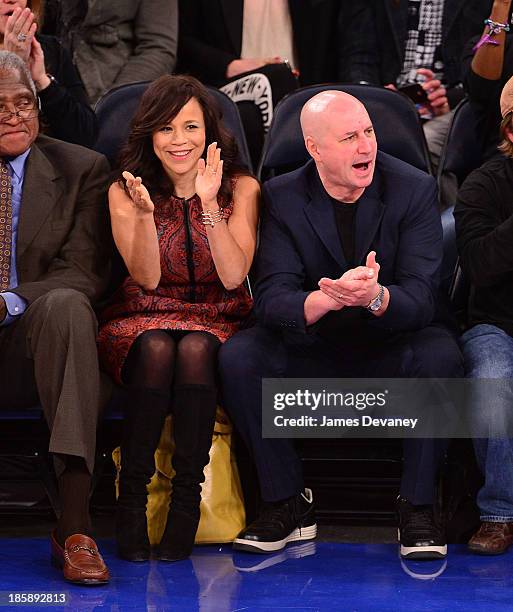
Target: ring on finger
[[22, 37]]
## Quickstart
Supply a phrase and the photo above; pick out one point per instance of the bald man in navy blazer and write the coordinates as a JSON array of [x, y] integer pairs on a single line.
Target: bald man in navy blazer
[[347, 279]]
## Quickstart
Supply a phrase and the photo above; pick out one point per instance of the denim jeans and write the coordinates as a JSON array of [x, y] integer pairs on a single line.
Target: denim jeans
[[488, 353]]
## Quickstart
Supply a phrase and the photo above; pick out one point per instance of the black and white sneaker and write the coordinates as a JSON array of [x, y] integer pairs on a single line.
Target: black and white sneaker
[[280, 523], [420, 535]]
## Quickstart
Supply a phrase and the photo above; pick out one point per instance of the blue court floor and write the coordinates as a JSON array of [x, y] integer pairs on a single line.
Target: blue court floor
[[306, 577]]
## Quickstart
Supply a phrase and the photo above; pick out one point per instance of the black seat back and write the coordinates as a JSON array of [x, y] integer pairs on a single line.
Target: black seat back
[[461, 153], [394, 116], [116, 108]]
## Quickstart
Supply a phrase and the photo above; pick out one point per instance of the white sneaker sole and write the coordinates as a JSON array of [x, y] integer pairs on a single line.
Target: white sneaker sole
[[298, 535], [424, 552]]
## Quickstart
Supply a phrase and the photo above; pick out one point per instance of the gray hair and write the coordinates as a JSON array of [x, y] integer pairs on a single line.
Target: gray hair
[[13, 64]]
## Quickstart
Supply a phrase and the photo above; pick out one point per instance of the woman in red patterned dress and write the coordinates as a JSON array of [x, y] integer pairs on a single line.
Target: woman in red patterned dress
[[184, 221]]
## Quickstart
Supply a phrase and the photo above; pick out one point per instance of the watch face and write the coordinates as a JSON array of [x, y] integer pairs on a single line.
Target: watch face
[[378, 300], [375, 305]]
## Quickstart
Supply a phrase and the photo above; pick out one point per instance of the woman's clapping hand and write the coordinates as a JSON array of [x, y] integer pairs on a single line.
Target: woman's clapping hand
[[210, 174], [20, 29], [138, 193]]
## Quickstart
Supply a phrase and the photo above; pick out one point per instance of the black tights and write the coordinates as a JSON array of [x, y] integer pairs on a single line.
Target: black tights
[[161, 359], [181, 367]]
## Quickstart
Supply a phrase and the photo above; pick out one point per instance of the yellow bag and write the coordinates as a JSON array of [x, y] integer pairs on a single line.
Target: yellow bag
[[222, 505]]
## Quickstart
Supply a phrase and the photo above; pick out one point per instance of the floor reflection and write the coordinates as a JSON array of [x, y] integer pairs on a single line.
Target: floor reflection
[[308, 576]]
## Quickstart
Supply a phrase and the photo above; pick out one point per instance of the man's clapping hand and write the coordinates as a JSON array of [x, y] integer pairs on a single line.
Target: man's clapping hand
[[356, 287]]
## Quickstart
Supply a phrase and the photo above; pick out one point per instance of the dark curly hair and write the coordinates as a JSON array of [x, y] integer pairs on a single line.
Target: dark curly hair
[[159, 105]]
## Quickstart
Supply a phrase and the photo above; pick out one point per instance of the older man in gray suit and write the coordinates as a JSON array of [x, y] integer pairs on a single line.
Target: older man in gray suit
[[53, 263]]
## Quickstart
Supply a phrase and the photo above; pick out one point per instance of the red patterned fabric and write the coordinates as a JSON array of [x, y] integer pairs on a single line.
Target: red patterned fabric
[[179, 302]]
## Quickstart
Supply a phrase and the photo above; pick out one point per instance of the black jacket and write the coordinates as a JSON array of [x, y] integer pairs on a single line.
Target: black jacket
[[210, 37], [66, 113], [484, 230], [373, 35]]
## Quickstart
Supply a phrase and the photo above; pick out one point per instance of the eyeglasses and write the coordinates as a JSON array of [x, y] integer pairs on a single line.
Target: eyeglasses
[[26, 109]]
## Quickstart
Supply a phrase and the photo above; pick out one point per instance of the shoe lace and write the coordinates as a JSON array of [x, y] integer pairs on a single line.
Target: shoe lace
[[272, 513], [421, 522]]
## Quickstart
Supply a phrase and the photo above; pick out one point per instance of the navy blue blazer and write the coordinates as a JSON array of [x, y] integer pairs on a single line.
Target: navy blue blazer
[[397, 217]]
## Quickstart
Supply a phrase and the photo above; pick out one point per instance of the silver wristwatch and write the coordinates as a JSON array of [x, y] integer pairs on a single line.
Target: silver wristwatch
[[375, 303]]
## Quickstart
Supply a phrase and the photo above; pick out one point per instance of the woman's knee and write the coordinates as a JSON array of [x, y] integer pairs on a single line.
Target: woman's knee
[[198, 345], [154, 346]]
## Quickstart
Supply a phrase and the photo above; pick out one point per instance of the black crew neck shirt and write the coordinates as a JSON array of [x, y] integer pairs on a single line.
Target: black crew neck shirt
[[345, 216]]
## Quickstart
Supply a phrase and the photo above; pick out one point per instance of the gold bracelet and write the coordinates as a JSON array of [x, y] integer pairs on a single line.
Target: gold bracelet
[[209, 217]]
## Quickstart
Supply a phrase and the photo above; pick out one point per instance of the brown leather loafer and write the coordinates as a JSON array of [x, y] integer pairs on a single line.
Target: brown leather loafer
[[492, 539], [80, 560]]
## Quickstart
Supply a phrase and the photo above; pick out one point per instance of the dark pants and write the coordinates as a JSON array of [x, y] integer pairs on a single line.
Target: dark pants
[[259, 353], [49, 356]]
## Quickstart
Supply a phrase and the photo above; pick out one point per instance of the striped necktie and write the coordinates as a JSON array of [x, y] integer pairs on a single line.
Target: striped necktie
[[5, 225]]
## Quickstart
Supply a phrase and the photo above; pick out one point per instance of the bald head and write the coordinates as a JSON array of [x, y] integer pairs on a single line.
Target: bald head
[[340, 138], [318, 114]]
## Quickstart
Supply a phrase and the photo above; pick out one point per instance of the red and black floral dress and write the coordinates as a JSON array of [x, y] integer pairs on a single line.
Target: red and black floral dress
[[190, 295]]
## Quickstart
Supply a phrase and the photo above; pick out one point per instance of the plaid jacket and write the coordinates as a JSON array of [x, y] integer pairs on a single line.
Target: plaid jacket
[[373, 34]]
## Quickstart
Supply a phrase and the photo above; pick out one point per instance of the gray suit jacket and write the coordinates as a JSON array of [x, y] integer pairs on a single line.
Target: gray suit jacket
[[122, 41], [64, 233]]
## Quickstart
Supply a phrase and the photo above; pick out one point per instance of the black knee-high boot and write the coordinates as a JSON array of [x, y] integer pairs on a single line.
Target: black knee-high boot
[[193, 424], [143, 422]]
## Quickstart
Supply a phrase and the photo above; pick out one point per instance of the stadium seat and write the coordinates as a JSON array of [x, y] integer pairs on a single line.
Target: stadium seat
[[394, 116], [450, 256], [461, 153], [453, 281], [459, 294], [116, 108]]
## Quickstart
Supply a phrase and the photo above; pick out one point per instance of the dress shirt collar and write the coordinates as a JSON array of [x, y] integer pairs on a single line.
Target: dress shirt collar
[[18, 164]]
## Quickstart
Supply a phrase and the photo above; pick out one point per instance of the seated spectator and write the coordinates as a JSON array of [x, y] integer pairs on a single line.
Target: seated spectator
[[326, 308], [54, 265], [221, 45], [187, 236], [393, 43], [117, 42], [486, 68], [484, 226], [65, 111], [216, 44]]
